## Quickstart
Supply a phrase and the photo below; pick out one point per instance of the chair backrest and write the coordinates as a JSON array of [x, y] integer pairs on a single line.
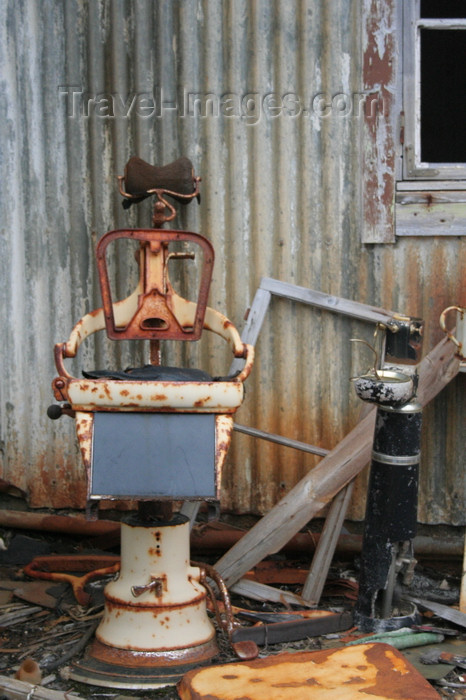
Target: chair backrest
[[154, 311]]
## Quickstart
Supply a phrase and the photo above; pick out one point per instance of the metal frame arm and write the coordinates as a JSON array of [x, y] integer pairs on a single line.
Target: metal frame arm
[[185, 310]]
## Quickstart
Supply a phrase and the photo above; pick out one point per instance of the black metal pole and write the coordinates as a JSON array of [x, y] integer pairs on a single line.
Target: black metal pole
[[391, 510], [391, 515]]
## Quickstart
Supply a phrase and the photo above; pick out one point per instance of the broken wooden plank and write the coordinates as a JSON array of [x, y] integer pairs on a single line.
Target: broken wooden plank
[[254, 320], [326, 546], [18, 614], [437, 369], [315, 582], [302, 503], [263, 592], [321, 484], [19, 690], [328, 302]]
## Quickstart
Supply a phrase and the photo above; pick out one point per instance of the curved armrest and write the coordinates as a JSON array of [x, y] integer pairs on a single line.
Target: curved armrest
[[249, 356], [184, 311]]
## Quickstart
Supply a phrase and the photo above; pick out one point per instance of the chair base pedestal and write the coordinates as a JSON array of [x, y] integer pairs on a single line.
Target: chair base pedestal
[[117, 668], [136, 670], [155, 625]]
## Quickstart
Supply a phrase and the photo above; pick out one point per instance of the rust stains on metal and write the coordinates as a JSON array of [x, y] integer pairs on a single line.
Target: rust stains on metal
[[58, 386], [224, 430], [159, 397], [144, 658], [202, 402], [371, 670], [84, 429], [156, 608], [154, 316], [54, 568]]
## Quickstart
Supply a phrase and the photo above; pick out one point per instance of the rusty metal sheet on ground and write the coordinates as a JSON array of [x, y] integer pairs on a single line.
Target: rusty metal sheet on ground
[[353, 673]]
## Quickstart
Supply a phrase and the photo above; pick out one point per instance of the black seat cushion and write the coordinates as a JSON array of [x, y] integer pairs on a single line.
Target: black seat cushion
[[152, 373]]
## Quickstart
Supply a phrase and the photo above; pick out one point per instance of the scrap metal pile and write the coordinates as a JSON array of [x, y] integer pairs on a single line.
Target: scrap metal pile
[[44, 628]]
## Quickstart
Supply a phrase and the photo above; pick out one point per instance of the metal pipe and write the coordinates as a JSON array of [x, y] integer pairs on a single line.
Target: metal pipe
[[69, 524], [206, 537], [280, 440]]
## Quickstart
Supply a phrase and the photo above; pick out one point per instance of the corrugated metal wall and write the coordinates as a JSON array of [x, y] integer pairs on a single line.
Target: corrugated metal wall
[[236, 88]]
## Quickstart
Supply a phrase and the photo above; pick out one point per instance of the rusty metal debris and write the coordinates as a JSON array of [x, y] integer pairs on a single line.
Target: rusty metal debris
[[55, 636], [443, 611], [53, 522], [292, 630], [29, 672], [52, 568], [246, 648], [372, 669], [435, 656]]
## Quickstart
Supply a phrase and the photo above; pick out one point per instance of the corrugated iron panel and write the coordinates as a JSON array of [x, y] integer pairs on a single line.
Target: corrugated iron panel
[[258, 94]]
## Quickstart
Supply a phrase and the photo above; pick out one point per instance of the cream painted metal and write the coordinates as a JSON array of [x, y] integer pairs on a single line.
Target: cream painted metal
[[137, 308], [155, 624], [213, 397], [157, 601]]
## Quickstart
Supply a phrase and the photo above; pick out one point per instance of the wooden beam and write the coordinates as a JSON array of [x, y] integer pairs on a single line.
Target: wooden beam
[[328, 302], [323, 482], [315, 582], [19, 690], [261, 591]]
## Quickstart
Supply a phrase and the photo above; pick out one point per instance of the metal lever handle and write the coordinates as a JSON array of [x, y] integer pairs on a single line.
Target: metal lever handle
[[181, 256], [244, 650], [55, 411], [155, 585]]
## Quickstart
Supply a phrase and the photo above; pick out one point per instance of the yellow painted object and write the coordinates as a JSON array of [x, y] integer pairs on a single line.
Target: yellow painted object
[[349, 673]]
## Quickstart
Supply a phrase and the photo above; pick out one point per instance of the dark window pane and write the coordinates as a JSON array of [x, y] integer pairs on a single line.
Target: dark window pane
[[443, 96], [443, 9]]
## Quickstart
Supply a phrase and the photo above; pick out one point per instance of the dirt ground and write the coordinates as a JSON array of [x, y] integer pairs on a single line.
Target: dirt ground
[[41, 620]]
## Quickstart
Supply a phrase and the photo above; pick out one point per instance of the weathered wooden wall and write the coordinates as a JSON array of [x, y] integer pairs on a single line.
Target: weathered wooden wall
[[282, 161]]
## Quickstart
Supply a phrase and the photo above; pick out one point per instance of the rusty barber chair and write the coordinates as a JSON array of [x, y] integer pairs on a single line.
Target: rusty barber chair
[[155, 435]]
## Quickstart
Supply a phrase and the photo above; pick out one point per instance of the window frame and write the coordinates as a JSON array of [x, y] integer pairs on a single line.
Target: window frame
[[396, 203], [413, 168]]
